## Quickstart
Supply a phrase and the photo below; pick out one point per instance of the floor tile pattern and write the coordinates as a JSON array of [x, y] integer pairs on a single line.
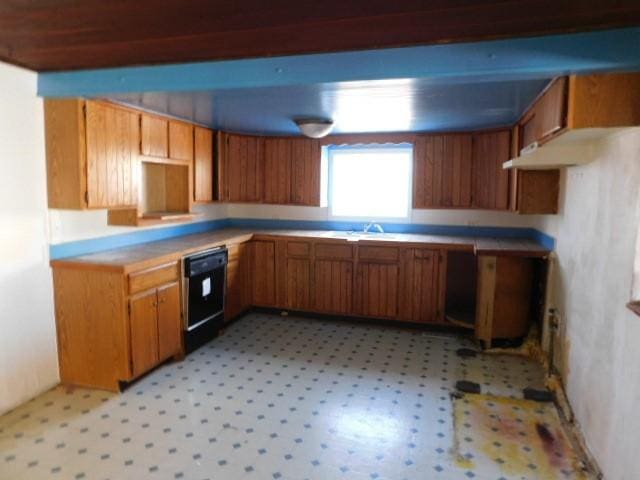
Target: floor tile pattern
[[273, 398]]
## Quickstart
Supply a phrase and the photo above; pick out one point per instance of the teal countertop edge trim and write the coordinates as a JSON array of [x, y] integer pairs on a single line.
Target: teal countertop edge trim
[[93, 245]]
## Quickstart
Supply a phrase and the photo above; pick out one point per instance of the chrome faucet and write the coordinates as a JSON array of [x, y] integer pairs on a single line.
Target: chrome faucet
[[373, 225]]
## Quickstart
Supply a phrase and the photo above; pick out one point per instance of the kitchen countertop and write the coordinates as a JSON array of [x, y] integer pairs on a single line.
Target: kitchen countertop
[[127, 259]]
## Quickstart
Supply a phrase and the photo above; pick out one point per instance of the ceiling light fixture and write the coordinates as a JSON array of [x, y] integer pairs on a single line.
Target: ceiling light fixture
[[314, 127]]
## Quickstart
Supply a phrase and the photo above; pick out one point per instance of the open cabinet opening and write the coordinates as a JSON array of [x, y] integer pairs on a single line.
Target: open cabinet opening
[[460, 299]]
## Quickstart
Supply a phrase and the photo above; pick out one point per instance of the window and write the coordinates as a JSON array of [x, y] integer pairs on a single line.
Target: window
[[372, 183]]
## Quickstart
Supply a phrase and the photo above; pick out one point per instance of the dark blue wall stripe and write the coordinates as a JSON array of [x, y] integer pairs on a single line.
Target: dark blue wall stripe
[[83, 247]]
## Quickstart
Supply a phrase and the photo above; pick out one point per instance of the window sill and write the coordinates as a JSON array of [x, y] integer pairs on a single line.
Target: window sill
[[634, 307]]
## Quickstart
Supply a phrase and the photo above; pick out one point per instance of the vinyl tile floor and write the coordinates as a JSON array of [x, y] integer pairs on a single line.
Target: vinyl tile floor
[[273, 398]]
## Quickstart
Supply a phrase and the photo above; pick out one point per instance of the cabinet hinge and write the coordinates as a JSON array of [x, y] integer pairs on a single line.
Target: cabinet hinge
[[86, 197], [129, 308], [84, 110]]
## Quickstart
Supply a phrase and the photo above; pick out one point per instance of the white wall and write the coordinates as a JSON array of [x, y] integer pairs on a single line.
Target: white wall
[[598, 348], [432, 217], [28, 357], [72, 225]]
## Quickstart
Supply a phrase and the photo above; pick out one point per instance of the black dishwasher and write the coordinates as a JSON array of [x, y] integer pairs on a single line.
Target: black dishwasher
[[203, 296]]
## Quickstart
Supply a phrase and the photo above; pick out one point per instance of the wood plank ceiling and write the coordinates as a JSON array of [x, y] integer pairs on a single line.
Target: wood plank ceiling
[[51, 35]]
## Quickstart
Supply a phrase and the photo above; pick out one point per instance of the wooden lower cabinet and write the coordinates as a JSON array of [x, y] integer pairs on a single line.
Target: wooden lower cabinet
[[333, 286], [155, 327], [377, 290], [238, 285], [422, 287], [263, 272], [298, 283], [144, 332], [113, 327], [169, 326], [504, 296]]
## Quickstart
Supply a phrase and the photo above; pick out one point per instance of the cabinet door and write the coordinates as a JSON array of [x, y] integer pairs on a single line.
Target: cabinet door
[[377, 290], [238, 285], [112, 159], [421, 286], [203, 165], [144, 332], [277, 170], [244, 163], [169, 321], [547, 116], [442, 171], [305, 172], [263, 271], [298, 284], [154, 136], [333, 286], [491, 181], [180, 141]]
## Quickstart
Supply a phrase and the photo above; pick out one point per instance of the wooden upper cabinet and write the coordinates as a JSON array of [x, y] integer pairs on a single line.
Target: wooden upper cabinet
[[243, 168], [277, 170], [547, 116], [154, 140], [490, 180], [305, 172], [92, 154], [180, 141], [112, 161], [292, 171], [203, 172], [442, 171]]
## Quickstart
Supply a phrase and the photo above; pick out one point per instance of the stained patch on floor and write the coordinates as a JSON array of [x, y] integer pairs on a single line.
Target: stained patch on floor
[[514, 438]]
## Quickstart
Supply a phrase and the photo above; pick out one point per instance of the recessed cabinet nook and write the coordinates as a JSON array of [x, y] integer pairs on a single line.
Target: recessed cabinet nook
[[149, 169]]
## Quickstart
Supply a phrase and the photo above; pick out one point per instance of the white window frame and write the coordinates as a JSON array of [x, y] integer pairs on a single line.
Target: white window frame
[[372, 149]]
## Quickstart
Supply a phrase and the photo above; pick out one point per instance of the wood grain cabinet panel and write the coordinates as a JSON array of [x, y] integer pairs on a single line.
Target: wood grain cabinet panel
[[203, 171], [291, 171], [92, 154], [490, 180], [243, 167], [305, 172], [144, 332], [180, 141], [546, 116], [442, 171], [263, 271], [421, 287], [504, 295], [277, 170], [298, 284], [169, 321], [377, 289], [154, 140], [112, 161], [333, 286], [238, 285]]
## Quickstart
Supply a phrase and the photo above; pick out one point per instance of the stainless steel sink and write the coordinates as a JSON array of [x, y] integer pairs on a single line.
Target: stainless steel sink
[[355, 236]]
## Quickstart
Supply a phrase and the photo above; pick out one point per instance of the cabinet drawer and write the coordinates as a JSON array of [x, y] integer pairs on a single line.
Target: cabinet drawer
[[298, 249], [389, 254], [152, 277], [333, 250]]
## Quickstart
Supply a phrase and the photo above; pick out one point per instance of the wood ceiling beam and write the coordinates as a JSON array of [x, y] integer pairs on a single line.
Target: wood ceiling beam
[[50, 35]]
